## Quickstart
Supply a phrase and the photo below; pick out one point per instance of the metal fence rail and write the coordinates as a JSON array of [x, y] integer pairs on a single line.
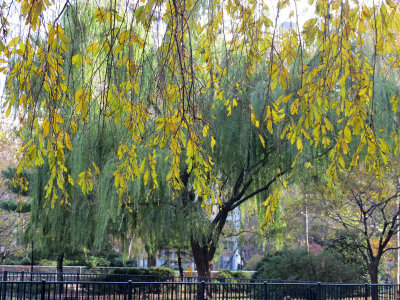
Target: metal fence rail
[[48, 276], [43, 290]]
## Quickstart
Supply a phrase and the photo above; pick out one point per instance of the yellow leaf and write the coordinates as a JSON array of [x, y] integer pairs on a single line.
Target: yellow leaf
[[93, 48], [299, 144], [262, 140], [68, 141], [70, 180], [146, 177], [96, 168], [212, 143], [46, 127], [76, 60], [63, 87], [13, 42], [347, 134], [205, 130], [328, 124]]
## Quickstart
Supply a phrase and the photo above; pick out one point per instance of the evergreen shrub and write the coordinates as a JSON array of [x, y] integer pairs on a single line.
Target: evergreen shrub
[[295, 264]]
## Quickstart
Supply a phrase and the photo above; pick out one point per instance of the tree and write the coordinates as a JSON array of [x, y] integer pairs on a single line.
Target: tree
[[12, 200], [318, 92], [338, 34], [368, 216]]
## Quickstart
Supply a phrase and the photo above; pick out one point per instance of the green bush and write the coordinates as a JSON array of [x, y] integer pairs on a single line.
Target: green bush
[[327, 266], [95, 261], [233, 274], [252, 263], [156, 272], [152, 274], [20, 261]]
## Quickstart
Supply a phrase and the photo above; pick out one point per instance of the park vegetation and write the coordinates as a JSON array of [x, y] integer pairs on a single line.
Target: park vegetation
[[159, 118]]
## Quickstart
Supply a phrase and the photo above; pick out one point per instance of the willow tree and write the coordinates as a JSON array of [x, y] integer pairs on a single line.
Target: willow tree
[[65, 229], [163, 111]]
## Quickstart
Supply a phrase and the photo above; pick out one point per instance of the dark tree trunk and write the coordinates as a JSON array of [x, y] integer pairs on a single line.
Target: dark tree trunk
[[60, 277], [60, 260], [373, 267], [202, 259], [203, 256], [151, 260], [180, 264], [3, 257]]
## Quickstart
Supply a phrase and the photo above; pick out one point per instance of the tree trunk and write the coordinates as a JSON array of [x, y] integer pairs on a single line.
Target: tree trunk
[[151, 260], [373, 266], [60, 277], [60, 259], [3, 257], [373, 274], [180, 264], [202, 259]]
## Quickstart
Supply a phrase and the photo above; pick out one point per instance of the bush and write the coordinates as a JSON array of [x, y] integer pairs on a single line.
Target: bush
[[327, 266], [152, 271], [21, 261], [233, 275], [95, 261], [152, 274], [252, 263]]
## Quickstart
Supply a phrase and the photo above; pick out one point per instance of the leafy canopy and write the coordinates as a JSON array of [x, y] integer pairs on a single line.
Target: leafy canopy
[[149, 66]]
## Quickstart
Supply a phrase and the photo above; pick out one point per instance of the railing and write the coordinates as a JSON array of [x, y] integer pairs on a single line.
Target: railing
[[44, 290], [51, 277], [85, 269]]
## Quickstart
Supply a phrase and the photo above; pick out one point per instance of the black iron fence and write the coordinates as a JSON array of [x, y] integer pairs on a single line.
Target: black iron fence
[[67, 276], [44, 290], [51, 277]]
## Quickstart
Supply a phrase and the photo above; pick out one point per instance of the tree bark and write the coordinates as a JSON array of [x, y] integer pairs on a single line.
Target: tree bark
[[3, 257], [60, 260], [373, 274], [60, 277], [202, 259], [180, 264], [151, 260]]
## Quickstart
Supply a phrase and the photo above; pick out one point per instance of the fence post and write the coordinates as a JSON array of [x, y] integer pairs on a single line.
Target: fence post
[[366, 291], [43, 289], [201, 291], [4, 286], [319, 291], [21, 287], [129, 289], [77, 285], [265, 289]]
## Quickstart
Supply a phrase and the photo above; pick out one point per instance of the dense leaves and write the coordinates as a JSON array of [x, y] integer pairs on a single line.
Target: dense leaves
[[62, 78], [326, 266]]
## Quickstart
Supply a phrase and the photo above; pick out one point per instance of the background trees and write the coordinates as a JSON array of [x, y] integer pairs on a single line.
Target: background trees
[[12, 201], [369, 217]]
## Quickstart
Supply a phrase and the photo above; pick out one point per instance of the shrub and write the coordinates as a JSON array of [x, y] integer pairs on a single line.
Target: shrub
[[233, 275], [17, 261], [327, 266], [252, 263], [145, 274], [152, 274]]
